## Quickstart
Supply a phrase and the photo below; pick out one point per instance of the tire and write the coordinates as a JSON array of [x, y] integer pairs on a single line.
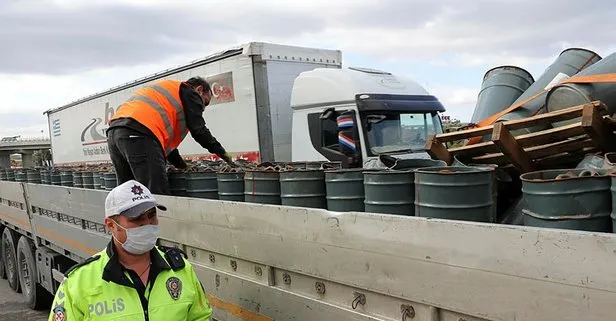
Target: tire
[[2, 269], [10, 259], [36, 296]]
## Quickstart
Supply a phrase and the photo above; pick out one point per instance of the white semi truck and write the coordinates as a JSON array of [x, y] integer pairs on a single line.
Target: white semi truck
[[273, 262]]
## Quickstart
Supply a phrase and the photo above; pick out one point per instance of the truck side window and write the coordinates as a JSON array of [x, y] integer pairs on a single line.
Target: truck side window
[[330, 133], [323, 133], [324, 137]]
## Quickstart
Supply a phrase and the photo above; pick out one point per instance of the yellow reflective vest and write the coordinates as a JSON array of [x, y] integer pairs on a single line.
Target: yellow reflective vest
[[101, 289]]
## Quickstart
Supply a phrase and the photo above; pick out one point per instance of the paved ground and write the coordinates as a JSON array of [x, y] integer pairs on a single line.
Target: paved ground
[[12, 306]]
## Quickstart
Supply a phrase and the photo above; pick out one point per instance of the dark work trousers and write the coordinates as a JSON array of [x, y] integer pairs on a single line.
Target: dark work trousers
[[139, 157]]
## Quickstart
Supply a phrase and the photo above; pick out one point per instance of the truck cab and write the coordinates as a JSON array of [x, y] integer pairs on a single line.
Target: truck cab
[[353, 115]]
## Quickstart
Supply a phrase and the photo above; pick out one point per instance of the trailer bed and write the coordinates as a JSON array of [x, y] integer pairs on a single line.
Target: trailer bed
[[268, 262]]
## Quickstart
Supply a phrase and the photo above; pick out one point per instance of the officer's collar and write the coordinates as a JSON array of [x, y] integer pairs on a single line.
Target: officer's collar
[[113, 269]]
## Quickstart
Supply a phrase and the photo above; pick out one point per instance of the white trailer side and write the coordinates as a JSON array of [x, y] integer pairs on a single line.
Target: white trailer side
[[250, 113]]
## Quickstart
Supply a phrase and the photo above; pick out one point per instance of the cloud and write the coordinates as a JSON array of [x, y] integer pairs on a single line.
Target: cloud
[[459, 102], [73, 36], [58, 39], [59, 51]]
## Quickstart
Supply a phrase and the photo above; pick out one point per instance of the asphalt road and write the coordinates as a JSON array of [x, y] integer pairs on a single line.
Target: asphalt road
[[13, 307]]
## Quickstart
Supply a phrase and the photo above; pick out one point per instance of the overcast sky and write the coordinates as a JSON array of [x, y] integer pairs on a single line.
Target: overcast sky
[[54, 52]]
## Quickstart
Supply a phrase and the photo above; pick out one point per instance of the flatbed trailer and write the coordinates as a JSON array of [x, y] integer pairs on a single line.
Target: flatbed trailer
[[272, 262]]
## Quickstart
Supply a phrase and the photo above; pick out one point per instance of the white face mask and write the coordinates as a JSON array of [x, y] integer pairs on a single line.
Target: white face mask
[[140, 240]]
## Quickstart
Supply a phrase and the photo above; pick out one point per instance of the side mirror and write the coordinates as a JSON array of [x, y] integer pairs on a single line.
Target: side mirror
[[329, 113]]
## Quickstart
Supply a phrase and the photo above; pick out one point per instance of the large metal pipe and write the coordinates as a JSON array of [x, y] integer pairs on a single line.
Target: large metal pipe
[[569, 95], [501, 86], [569, 62]]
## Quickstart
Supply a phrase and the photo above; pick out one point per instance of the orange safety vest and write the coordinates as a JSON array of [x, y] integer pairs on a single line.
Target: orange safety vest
[[159, 108]]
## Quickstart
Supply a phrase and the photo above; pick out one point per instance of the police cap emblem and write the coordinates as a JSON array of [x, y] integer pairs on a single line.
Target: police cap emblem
[[174, 286]]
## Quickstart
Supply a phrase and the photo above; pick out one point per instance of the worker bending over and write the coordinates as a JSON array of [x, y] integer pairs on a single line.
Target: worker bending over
[[132, 279], [146, 130]]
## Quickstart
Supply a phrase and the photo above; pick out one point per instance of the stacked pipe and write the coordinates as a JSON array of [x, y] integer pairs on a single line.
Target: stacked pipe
[[574, 94], [570, 62]]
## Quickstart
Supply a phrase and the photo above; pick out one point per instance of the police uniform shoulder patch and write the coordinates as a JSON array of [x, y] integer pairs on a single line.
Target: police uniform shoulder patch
[[174, 286], [59, 313], [87, 261]]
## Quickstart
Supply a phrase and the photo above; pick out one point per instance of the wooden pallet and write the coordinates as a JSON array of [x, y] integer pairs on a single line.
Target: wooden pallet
[[591, 132]]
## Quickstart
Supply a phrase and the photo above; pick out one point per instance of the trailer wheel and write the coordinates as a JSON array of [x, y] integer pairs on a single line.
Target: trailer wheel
[[36, 296], [2, 269], [10, 259]]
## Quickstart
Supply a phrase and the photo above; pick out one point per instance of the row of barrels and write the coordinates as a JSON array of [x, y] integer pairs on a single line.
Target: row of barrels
[[464, 193], [100, 180], [580, 199]]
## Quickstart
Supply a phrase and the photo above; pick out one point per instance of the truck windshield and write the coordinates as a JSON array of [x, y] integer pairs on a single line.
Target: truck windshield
[[396, 132]]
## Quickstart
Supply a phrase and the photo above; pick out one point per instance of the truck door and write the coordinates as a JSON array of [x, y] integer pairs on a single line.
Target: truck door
[[334, 134]]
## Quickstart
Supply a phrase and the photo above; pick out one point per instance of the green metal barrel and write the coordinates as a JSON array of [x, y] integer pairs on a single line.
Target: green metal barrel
[[66, 178], [231, 186], [578, 199], [20, 175], [56, 178], [87, 180], [455, 193], [613, 194], [33, 176], [389, 192], [78, 179], [10, 174], [96, 180], [177, 183], [110, 180], [43, 174], [262, 187], [202, 185], [101, 182], [303, 188], [345, 190]]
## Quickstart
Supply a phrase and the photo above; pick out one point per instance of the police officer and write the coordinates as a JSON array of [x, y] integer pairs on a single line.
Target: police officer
[[146, 130], [132, 279]]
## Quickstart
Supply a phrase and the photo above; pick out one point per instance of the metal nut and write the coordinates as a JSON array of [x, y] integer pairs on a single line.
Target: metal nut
[[212, 258], [286, 278], [193, 253], [258, 271], [320, 286], [234, 265]]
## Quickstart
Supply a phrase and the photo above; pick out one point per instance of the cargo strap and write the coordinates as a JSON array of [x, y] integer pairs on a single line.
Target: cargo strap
[[601, 78]]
